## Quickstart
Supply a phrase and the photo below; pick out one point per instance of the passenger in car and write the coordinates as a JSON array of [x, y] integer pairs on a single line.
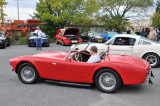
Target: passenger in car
[[94, 58]]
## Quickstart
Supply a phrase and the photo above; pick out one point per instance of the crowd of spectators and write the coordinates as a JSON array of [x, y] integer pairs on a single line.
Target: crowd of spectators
[[150, 33]]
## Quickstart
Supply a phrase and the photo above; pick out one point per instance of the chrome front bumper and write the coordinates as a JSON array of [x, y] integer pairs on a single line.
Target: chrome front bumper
[[150, 76]]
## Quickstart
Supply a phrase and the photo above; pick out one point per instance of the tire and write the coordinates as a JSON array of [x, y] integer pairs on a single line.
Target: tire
[[63, 43], [8, 44], [27, 68], [153, 59], [57, 41], [109, 75], [4, 45]]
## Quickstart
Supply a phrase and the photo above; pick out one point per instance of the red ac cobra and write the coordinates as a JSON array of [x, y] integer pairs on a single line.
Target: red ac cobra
[[71, 67]]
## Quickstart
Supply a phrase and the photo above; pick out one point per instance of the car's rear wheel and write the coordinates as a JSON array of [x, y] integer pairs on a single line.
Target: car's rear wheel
[[27, 73], [153, 59], [107, 80]]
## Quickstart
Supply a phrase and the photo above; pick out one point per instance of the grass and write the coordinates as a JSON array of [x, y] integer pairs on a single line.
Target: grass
[[23, 41]]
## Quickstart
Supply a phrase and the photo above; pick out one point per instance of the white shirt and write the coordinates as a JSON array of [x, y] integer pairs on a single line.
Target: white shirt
[[39, 33], [94, 58]]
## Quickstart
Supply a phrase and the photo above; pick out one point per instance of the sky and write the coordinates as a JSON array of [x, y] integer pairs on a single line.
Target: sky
[[27, 7]]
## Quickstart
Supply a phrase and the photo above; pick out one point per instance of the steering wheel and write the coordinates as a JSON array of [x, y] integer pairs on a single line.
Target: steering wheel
[[78, 57]]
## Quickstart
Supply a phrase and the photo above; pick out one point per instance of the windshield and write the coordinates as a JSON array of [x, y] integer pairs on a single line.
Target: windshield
[[112, 33], [94, 34], [2, 35], [149, 40]]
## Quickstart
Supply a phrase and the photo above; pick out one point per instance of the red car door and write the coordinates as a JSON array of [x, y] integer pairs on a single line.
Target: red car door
[[53, 69], [78, 71]]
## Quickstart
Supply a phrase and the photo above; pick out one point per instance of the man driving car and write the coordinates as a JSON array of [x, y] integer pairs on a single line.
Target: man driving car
[[94, 58]]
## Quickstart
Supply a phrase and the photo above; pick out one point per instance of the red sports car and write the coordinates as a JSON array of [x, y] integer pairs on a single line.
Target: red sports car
[[71, 67], [68, 36]]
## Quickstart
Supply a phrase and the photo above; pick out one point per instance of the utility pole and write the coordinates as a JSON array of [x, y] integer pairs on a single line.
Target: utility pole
[[18, 9]]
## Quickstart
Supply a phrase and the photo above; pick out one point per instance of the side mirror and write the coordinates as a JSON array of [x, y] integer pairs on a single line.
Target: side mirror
[[69, 58]]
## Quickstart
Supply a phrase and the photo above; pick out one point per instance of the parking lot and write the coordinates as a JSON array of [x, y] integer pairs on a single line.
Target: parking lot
[[15, 93]]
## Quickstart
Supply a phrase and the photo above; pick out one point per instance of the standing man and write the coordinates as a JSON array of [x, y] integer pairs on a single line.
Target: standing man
[[94, 56], [133, 31], [39, 38], [152, 34]]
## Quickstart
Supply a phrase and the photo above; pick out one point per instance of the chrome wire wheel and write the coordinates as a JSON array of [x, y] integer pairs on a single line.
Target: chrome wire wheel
[[27, 74], [152, 60], [107, 81]]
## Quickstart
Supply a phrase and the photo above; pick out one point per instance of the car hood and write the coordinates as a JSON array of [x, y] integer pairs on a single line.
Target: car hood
[[53, 55], [128, 60], [34, 37], [2, 38], [71, 31], [98, 37]]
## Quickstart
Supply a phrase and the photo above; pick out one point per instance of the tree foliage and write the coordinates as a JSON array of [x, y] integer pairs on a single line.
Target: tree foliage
[[156, 20], [156, 16], [117, 9], [2, 4], [158, 6], [59, 13]]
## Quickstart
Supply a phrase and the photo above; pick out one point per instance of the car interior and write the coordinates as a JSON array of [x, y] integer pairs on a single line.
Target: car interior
[[83, 56], [124, 41]]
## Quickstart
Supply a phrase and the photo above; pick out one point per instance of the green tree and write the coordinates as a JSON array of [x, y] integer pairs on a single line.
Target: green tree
[[156, 20], [59, 13], [2, 4], [158, 6], [116, 11]]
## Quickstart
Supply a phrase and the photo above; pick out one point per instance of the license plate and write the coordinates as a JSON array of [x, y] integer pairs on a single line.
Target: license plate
[[99, 40], [74, 41]]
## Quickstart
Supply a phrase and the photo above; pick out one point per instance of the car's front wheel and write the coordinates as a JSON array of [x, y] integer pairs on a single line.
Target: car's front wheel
[[5, 45], [153, 59], [107, 80], [57, 41], [27, 73], [63, 43]]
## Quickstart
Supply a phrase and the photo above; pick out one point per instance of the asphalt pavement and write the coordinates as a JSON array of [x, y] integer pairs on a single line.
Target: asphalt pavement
[[15, 93]]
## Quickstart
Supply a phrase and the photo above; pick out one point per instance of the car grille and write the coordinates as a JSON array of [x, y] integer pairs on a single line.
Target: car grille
[[44, 40]]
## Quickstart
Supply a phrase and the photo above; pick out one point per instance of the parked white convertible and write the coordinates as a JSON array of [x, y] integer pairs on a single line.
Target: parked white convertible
[[128, 45]]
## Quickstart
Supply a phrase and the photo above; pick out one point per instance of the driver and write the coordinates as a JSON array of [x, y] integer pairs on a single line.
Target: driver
[[94, 58]]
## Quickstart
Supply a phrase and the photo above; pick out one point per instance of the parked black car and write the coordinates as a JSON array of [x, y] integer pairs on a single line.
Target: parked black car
[[4, 40], [92, 37], [32, 39]]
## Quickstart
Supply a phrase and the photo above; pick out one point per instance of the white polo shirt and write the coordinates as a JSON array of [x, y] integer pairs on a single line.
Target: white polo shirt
[[94, 58], [39, 33]]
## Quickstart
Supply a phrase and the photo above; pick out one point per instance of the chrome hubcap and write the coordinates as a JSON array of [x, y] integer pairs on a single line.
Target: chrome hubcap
[[27, 73], [151, 59], [107, 81]]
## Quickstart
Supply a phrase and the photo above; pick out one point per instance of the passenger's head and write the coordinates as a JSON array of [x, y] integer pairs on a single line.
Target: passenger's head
[[151, 28], [93, 50], [123, 40], [38, 27]]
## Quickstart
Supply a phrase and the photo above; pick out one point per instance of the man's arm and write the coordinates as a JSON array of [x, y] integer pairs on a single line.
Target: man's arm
[[154, 35]]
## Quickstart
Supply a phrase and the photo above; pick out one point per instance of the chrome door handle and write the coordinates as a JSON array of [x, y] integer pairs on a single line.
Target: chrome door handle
[[54, 63]]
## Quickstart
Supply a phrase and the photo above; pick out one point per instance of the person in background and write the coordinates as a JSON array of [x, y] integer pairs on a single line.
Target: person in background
[[133, 31], [129, 31], [152, 34], [94, 58], [39, 38], [144, 33], [157, 34]]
